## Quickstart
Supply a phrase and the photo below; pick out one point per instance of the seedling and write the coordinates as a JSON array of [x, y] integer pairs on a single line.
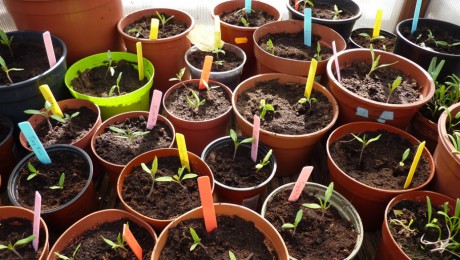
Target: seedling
[[63, 257], [370, 38], [270, 47], [196, 240], [152, 172], [119, 244], [116, 86], [231, 255], [297, 220], [163, 18], [234, 137], [45, 113], [217, 51], [33, 172], [66, 119], [110, 68], [403, 224], [245, 22], [431, 38], [364, 143], [12, 247], [265, 161], [318, 52], [393, 86], [127, 134], [455, 139], [453, 122], [6, 41], [179, 177], [8, 70], [306, 2], [308, 101], [404, 157], [324, 205], [375, 62], [138, 32], [179, 77], [265, 107], [60, 185], [336, 13], [196, 102]]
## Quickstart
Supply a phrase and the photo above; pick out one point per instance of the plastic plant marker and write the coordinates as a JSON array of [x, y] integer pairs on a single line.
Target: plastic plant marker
[[247, 6], [154, 108], [206, 72], [307, 27], [140, 60], [49, 48], [180, 139], [132, 242], [34, 142], [377, 23], [154, 25], [310, 78], [48, 95], [296, 6], [36, 223], [300, 183], [336, 61], [418, 6], [414, 164], [255, 134], [241, 40], [209, 213], [217, 33]]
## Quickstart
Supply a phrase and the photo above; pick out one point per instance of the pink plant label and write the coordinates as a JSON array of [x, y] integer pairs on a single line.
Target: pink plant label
[[36, 224], [49, 48], [209, 213], [336, 61], [300, 183], [154, 108], [132, 242], [255, 134]]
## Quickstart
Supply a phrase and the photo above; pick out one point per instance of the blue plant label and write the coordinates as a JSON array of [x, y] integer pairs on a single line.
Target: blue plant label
[[418, 6], [247, 6], [34, 142], [307, 27]]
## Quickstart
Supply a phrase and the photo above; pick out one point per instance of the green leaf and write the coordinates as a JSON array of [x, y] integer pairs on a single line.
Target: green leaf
[[24, 241], [328, 193], [145, 168], [374, 139], [58, 118], [61, 180], [233, 135], [193, 246], [287, 225], [231, 255], [189, 176], [164, 178], [31, 176], [194, 235], [110, 243], [247, 140], [61, 256], [32, 112], [312, 205], [3, 63], [3, 247], [298, 217], [358, 138], [117, 130], [31, 168]]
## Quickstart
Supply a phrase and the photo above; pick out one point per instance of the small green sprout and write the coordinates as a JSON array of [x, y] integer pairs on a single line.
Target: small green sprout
[[163, 18], [297, 220], [45, 113], [110, 68], [431, 38], [196, 102], [219, 62], [66, 119], [63, 257], [455, 139], [403, 223], [336, 13], [116, 86], [265, 161], [178, 178], [375, 62], [33, 172], [245, 22], [265, 108], [429, 209], [364, 143], [308, 101], [270, 47], [234, 137], [306, 2], [138, 32], [179, 77], [152, 172], [393, 86], [231, 255], [404, 157], [60, 185], [324, 205], [127, 134], [370, 38], [6, 41], [21, 242], [217, 51], [453, 122], [119, 244], [318, 52], [196, 240], [8, 70]]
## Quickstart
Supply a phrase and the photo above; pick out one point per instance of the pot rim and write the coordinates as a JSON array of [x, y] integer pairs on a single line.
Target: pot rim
[[442, 132], [352, 18], [368, 29]]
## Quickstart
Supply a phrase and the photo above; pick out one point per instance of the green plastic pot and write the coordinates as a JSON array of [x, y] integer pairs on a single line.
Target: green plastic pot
[[137, 100]]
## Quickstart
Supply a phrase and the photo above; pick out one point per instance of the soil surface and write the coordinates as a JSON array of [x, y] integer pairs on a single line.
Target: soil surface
[[410, 240], [168, 199], [375, 87], [14, 229], [31, 57], [232, 234], [216, 104], [98, 81], [318, 235], [239, 172], [289, 117], [141, 28], [291, 46], [228, 61], [94, 247], [380, 161], [385, 44], [76, 171], [115, 149], [69, 132], [323, 11], [256, 18], [422, 38]]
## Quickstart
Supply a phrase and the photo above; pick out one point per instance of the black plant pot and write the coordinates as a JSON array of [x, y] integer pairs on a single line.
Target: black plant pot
[[343, 26], [355, 33], [7, 160], [423, 56]]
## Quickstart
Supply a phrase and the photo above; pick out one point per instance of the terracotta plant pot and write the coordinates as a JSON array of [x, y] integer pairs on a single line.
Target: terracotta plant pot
[[81, 205], [91, 221], [228, 210], [113, 169], [356, 32], [198, 133], [340, 203], [389, 248], [426, 130], [266, 62], [231, 32], [292, 152], [73, 21], [343, 26], [356, 108], [199, 166], [167, 55], [447, 163], [250, 196], [7, 159], [20, 212], [370, 202]]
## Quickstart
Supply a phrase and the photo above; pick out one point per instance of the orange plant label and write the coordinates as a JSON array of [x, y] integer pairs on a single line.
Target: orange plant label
[[132, 242], [300, 183], [209, 213], [241, 40], [206, 72]]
